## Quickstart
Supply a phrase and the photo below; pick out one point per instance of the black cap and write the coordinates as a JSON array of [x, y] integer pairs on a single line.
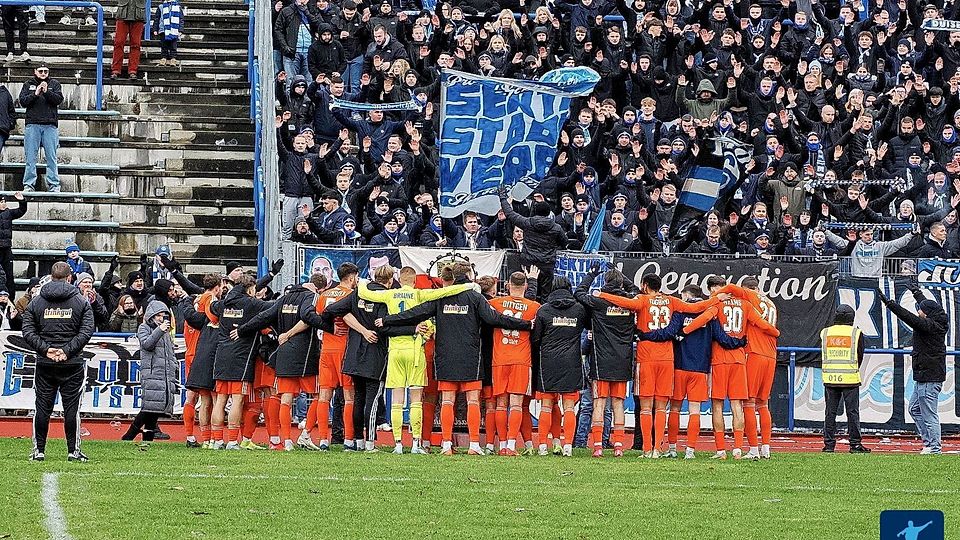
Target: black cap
[[232, 265]]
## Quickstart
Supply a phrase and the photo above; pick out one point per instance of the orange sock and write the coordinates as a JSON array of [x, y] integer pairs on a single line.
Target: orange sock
[[502, 417], [646, 429], [204, 433], [446, 420], [429, 413], [673, 426], [473, 421], [750, 425], [513, 425], [189, 419], [526, 423], [216, 432], [556, 422], [271, 414], [311, 419], [597, 433], [490, 424], [251, 415], [233, 433], [693, 430], [569, 427], [659, 428], [323, 419], [286, 417], [348, 434], [617, 435], [737, 438], [544, 424], [766, 425], [718, 439]]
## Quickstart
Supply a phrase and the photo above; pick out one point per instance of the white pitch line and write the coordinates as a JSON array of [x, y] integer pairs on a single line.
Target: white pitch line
[[55, 521]]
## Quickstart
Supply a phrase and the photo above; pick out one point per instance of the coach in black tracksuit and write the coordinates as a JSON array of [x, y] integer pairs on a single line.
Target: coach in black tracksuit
[[557, 369], [299, 355], [366, 362], [613, 330], [57, 325]]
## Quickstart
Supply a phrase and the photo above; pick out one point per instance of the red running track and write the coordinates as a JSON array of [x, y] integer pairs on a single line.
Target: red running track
[[20, 426]]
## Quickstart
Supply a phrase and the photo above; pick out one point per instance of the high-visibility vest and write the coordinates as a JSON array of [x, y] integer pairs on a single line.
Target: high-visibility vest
[[839, 345]]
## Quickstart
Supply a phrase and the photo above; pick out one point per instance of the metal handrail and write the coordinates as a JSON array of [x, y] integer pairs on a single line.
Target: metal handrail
[[75, 4]]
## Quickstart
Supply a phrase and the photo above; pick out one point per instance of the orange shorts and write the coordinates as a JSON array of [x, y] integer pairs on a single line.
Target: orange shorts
[[331, 370], [656, 379], [689, 384], [602, 389], [760, 370], [234, 387], [556, 398], [295, 385], [459, 386], [511, 379], [264, 376], [728, 381]]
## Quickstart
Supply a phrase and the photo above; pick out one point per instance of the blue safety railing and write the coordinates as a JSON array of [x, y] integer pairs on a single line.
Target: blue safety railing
[[792, 371], [75, 4], [258, 185], [147, 25]]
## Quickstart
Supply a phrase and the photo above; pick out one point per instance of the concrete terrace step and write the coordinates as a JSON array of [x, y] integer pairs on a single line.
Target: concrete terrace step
[[65, 42], [64, 71], [133, 240], [122, 156], [17, 140]]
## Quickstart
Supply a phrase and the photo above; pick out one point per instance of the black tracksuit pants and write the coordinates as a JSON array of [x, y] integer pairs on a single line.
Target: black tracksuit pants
[[850, 395], [369, 392], [67, 380]]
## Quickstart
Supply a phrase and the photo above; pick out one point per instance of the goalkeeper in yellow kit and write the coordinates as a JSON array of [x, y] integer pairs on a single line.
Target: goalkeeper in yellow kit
[[406, 361]]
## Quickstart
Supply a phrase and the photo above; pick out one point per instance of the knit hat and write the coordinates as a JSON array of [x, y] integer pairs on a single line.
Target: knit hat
[[161, 288], [83, 276], [929, 307], [298, 220], [232, 265], [133, 276], [72, 246]]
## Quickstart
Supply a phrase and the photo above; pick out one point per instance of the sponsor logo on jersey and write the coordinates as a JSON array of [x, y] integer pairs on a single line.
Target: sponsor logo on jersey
[[614, 311], [453, 309], [564, 321], [233, 313], [58, 313], [290, 308]]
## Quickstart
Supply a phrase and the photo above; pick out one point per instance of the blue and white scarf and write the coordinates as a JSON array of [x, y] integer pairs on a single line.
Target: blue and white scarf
[[170, 20]]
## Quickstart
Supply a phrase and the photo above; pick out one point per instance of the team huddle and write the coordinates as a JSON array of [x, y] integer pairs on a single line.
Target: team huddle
[[428, 339]]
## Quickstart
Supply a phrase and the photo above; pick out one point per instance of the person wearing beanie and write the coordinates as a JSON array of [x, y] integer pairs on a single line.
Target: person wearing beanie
[[33, 289], [234, 271], [928, 360], [136, 288], [76, 262], [391, 235], [842, 347], [301, 232], [542, 238]]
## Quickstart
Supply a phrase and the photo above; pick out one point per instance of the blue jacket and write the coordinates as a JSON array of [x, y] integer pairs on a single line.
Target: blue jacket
[[693, 352]]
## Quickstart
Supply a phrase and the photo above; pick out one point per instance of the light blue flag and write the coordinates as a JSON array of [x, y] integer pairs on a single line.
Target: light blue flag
[[497, 131], [592, 243]]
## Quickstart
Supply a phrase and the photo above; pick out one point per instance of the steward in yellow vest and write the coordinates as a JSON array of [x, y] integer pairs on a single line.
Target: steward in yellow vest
[[841, 351]]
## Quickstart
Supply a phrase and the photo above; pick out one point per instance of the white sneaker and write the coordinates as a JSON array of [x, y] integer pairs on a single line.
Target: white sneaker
[[542, 450], [398, 449], [302, 425], [647, 455], [418, 450], [765, 451], [25, 57], [926, 451], [66, 20], [232, 445], [672, 453], [722, 454], [217, 445], [567, 450], [657, 454], [752, 456], [690, 454], [384, 427], [305, 442], [288, 446], [737, 453]]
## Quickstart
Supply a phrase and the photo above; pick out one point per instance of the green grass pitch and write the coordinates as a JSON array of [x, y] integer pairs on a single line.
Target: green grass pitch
[[171, 492]]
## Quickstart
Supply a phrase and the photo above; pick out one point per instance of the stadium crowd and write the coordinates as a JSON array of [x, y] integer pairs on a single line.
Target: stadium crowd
[[850, 111]]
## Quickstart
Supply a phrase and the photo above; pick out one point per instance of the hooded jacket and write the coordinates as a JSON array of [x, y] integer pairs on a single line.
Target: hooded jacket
[[929, 358], [698, 108], [612, 356], [59, 318], [158, 363], [558, 367], [542, 237], [299, 356], [206, 316], [6, 223], [235, 359], [326, 57]]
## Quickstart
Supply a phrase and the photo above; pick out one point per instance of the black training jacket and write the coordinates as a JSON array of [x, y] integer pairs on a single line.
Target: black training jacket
[[235, 359], [556, 334], [300, 355], [613, 330], [59, 318]]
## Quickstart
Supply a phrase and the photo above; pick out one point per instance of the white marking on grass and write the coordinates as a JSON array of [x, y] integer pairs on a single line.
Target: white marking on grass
[[54, 520]]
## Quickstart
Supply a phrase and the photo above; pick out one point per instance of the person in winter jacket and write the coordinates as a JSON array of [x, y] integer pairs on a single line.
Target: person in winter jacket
[[126, 318], [293, 32], [326, 55], [866, 253], [76, 262], [8, 115], [41, 96], [930, 326], [542, 238], [7, 215], [84, 282], [57, 325], [557, 365], [159, 369], [707, 101]]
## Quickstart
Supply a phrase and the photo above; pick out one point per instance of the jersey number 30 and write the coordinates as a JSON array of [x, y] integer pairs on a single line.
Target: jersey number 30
[[734, 319]]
